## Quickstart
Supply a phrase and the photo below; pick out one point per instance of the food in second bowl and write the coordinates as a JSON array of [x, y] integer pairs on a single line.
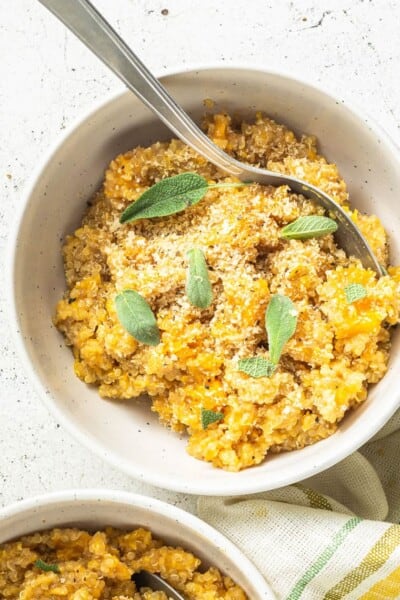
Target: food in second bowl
[[77, 565], [211, 353]]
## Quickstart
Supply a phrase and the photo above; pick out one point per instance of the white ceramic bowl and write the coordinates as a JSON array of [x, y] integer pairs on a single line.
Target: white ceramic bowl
[[127, 434], [95, 509]]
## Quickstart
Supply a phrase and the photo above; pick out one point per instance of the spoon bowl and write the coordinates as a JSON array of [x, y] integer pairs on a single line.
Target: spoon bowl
[[156, 584]]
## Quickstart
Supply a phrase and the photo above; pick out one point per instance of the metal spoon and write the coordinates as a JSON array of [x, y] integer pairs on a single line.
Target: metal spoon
[[96, 33], [155, 583]]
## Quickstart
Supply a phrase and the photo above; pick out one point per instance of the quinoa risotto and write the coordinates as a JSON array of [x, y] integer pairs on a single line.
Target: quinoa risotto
[[77, 565], [340, 346]]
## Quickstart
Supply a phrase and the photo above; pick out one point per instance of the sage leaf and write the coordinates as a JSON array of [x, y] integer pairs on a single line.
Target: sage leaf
[[354, 292], [198, 286], [136, 316], [170, 196], [280, 322], [210, 416], [312, 226], [40, 564], [167, 197], [256, 366]]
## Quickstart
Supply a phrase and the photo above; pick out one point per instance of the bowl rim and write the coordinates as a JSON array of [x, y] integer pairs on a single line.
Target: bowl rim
[[225, 488], [157, 507]]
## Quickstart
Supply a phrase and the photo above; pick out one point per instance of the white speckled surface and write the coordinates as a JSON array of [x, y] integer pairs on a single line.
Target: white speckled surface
[[352, 48]]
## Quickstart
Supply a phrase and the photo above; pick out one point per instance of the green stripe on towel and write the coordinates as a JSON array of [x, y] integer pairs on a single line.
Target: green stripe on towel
[[323, 558]]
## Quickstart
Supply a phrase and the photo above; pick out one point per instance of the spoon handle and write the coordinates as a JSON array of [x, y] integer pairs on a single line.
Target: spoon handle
[[82, 18]]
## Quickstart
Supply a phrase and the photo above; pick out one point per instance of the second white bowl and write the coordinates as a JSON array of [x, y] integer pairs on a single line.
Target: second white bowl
[[96, 509]]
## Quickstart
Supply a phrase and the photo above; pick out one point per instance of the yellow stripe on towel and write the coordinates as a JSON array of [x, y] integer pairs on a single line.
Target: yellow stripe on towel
[[385, 589], [374, 560]]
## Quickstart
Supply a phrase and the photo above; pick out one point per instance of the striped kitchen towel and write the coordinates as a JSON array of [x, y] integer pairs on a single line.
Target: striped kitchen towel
[[334, 536]]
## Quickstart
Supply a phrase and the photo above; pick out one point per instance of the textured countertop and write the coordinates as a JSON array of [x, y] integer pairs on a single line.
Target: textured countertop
[[48, 78]]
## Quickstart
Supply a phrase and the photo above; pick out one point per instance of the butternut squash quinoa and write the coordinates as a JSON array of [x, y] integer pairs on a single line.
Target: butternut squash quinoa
[[77, 565], [337, 351]]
